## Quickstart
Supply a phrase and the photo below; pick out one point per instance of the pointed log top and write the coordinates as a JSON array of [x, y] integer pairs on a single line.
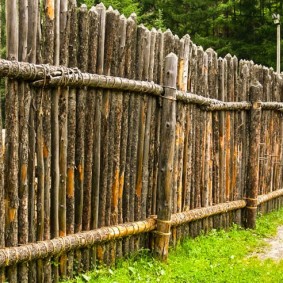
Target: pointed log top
[[171, 55], [93, 10], [210, 50], [100, 6], [186, 37], [123, 17], [176, 37], [159, 30], [200, 49], [83, 8], [133, 16], [110, 9], [228, 56], [116, 12], [153, 30], [169, 32]]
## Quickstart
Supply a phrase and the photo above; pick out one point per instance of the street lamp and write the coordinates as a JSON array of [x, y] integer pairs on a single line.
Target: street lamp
[[276, 19]]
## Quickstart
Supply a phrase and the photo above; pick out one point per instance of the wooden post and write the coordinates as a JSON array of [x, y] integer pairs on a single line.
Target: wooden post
[[166, 153], [253, 163]]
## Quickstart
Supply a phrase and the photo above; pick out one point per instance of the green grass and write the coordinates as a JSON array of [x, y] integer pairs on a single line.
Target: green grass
[[217, 257]]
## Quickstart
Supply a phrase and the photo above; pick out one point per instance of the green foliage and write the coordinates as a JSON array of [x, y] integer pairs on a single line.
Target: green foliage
[[219, 256], [241, 27]]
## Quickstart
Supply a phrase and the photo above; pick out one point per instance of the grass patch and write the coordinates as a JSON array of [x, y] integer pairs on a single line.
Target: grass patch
[[219, 256]]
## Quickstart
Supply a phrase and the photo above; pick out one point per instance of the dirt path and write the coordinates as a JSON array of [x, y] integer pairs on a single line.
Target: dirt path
[[274, 250]]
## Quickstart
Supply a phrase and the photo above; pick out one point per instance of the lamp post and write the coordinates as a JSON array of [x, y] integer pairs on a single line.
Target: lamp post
[[276, 19]]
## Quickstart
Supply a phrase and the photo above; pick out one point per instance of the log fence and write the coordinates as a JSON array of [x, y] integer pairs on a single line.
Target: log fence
[[120, 138]]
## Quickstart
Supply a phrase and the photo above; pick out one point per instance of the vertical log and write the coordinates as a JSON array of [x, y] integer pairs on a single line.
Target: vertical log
[[152, 139], [119, 148], [138, 148], [2, 191], [194, 137], [2, 196], [24, 104], [167, 135], [48, 53], [63, 126], [130, 51], [159, 51], [70, 198], [83, 38], [96, 183], [12, 135], [253, 167], [55, 150], [113, 140], [31, 53]]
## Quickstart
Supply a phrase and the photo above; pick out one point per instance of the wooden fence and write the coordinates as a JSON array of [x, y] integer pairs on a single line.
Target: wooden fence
[[119, 144]]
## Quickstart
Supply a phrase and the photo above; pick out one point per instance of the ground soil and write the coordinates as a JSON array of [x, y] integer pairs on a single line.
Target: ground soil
[[274, 249]]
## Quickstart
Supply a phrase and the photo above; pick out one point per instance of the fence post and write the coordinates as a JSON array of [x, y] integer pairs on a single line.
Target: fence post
[[166, 158], [253, 163]]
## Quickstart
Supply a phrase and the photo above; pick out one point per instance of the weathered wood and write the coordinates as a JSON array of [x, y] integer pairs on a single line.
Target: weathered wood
[[127, 123], [11, 140], [24, 105], [83, 37], [2, 197], [97, 131], [113, 135], [201, 213], [68, 243], [168, 123], [253, 168], [139, 123], [70, 190], [63, 126], [118, 103]]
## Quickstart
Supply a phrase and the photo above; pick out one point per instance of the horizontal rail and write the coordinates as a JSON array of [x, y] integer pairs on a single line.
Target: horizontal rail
[[272, 106], [28, 252], [229, 106], [78, 79], [264, 198], [200, 213], [13, 255], [45, 75]]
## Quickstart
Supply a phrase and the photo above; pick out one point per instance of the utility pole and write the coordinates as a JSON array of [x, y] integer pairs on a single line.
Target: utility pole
[[276, 19]]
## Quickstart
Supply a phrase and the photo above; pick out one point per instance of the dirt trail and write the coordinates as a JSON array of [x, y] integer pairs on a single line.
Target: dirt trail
[[275, 247]]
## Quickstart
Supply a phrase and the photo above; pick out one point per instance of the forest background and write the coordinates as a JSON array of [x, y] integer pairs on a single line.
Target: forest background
[[243, 28]]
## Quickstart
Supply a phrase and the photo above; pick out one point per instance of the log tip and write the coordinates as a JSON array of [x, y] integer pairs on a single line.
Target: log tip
[[171, 56], [154, 30], [133, 16], [116, 12], [186, 37], [83, 8], [123, 17], [93, 10], [168, 31], [228, 56], [100, 6], [110, 9]]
